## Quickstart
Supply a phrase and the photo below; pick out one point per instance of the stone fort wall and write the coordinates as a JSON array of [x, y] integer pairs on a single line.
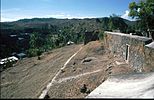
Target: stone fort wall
[[135, 50]]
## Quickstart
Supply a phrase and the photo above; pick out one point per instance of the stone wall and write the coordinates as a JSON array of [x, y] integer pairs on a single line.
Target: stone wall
[[149, 57], [131, 48]]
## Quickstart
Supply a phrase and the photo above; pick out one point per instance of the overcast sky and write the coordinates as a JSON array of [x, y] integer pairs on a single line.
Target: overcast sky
[[12, 10]]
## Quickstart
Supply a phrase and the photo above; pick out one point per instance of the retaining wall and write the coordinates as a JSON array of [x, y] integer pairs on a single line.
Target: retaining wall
[[133, 49]]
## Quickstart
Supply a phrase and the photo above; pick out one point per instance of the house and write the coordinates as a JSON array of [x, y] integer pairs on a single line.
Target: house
[[70, 42], [13, 35], [21, 55], [10, 59]]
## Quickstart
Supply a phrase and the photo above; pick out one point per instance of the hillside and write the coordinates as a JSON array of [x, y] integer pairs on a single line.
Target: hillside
[[26, 25], [16, 36], [91, 66]]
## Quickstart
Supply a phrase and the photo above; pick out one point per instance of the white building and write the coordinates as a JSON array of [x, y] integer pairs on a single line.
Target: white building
[[70, 42], [11, 59]]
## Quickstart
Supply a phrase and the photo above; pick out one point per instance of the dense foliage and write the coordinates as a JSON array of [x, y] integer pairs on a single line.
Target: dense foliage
[[143, 11]]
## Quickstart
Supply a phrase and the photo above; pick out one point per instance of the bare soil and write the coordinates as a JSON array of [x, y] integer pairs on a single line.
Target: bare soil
[[91, 66], [93, 57], [29, 76]]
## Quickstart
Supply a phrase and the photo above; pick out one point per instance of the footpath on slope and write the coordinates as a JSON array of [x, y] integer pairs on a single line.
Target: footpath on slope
[[45, 91]]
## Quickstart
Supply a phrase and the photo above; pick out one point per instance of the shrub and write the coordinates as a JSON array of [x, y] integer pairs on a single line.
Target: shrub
[[34, 52], [101, 35], [83, 89]]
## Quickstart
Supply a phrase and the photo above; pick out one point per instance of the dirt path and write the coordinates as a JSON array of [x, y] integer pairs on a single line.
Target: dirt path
[[45, 91], [76, 76]]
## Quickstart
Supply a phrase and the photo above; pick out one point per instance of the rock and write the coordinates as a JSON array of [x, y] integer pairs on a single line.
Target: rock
[[88, 91], [74, 63], [88, 59], [83, 89], [47, 96], [109, 67], [39, 58], [62, 70]]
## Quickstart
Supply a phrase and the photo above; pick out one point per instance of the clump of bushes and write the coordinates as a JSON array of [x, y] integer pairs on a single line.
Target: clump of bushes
[[101, 35], [84, 89], [34, 52]]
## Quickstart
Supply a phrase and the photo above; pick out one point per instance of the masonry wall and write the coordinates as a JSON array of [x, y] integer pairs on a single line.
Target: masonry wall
[[137, 57], [149, 58]]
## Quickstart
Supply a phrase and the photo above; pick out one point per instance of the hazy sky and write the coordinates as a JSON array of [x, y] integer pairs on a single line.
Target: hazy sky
[[12, 10]]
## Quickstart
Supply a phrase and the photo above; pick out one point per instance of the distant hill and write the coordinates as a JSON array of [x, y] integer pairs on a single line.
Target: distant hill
[[53, 24]]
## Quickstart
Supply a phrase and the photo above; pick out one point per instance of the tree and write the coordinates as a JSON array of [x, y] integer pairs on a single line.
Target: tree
[[117, 23], [110, 24], [143, 11], [101, 35], [36, 42]]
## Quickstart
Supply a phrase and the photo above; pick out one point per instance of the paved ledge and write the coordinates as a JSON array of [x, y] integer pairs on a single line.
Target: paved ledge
[[151, 45], [139, 85]]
